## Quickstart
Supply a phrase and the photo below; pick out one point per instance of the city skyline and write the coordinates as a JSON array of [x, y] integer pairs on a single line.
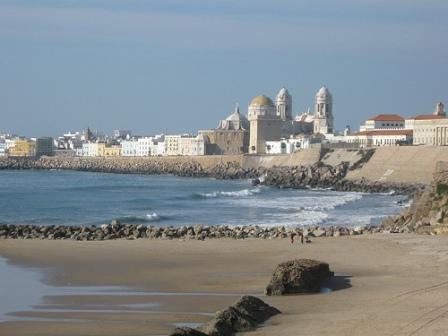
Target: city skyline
[[170, 67]]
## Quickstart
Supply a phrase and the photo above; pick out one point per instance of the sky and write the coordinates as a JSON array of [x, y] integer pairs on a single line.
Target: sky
[[171, 66]]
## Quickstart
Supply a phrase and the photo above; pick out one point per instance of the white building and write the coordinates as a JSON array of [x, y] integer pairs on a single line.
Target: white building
[[130, 147], [3, 147], [144, 146], [383, 122], [172, 145], [287, 146], [184, 145], [90, 149], [192, 145], [379, 138]]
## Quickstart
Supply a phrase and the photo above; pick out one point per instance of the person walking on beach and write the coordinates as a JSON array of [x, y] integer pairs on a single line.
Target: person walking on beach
[[292, 234], [301, 237]]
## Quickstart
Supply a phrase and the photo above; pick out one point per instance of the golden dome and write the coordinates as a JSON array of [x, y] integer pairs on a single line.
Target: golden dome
[[261, 100]]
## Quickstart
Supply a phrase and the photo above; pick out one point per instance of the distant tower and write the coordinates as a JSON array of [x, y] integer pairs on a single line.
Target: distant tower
[[347, 130], [265, 124], [440, 109], [323, 112], [284, 104]]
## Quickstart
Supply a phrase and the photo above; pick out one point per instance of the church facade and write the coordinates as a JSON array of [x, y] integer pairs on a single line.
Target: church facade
[[231, 137], [272, 122]]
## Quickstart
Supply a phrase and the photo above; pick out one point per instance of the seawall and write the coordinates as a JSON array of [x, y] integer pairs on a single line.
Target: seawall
[[407, 164]]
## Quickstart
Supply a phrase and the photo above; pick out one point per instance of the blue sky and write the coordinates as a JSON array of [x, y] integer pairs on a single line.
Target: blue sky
[[177, 66]]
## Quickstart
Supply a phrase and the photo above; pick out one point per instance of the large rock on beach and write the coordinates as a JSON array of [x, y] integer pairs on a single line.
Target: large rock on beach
[[299, 276], [185, 331], [244, 315]]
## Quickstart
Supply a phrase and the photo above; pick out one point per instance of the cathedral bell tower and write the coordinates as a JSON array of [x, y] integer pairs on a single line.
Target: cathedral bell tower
[[323, 112], [283, 104], [440, 109]]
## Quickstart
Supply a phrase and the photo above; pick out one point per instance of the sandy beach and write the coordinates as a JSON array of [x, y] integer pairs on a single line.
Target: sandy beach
[[384, 285]]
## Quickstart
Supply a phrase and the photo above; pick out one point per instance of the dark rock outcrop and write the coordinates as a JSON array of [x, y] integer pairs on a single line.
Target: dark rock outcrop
[[184, 331], [244, 315], [298, 276], [320, 175]]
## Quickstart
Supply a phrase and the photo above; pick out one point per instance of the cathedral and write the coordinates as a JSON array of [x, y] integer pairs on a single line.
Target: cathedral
[[271, 122]]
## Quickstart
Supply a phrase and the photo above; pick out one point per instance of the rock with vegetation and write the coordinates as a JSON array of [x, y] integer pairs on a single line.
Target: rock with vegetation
[[299, 276]]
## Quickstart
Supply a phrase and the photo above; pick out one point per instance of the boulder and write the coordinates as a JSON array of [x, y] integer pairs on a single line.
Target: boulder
[[184, 331], [298, 276], [244, 315], [255, 308], [227, 322]]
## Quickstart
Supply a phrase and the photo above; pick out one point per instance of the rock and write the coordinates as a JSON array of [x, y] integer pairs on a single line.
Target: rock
[[184, 331], [298, 276], [227, 322], [256, 308], [244, 315], [319, 232]]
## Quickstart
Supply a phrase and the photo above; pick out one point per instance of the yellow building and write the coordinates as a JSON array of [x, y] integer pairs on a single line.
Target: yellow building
[[23, 148], [111, 151]]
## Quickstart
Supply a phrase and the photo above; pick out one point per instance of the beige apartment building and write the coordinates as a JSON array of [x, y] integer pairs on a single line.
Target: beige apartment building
[[431, 129]]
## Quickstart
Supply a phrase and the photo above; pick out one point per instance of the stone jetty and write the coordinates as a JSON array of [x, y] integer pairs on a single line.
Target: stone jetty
[[117, 230], [150, 166]]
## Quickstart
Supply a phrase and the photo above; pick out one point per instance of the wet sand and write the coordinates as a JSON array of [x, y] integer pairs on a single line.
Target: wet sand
[[385, 285]]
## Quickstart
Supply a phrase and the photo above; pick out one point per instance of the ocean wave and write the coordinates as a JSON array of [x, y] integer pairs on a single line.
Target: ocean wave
[[330, 203], [149, 217], [302, 203], [238, 193], [298, 219], [152, 217]]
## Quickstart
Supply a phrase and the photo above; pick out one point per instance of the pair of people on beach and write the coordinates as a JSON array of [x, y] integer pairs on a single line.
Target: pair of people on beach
[[293, 234]]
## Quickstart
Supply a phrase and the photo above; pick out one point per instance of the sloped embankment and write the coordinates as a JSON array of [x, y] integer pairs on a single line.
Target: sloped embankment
[[429, 212]]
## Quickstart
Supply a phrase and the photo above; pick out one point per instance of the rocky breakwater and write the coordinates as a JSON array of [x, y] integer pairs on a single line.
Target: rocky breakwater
[[179, 166], [325, 176], [428, 214], [117, 230]]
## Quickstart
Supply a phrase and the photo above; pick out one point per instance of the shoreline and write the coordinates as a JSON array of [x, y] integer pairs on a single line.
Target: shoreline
[[385, 283]]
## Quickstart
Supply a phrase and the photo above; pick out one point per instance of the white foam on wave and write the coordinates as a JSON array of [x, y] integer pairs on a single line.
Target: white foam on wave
[[307, 218], [238, 193], [331, 202], [152, 217], [303, 203]]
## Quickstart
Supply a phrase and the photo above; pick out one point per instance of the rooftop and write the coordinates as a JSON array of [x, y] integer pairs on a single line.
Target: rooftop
[[387, 117], [428, 117]]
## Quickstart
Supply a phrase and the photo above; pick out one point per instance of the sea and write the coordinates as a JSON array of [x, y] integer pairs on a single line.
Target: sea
[[86, 198]]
